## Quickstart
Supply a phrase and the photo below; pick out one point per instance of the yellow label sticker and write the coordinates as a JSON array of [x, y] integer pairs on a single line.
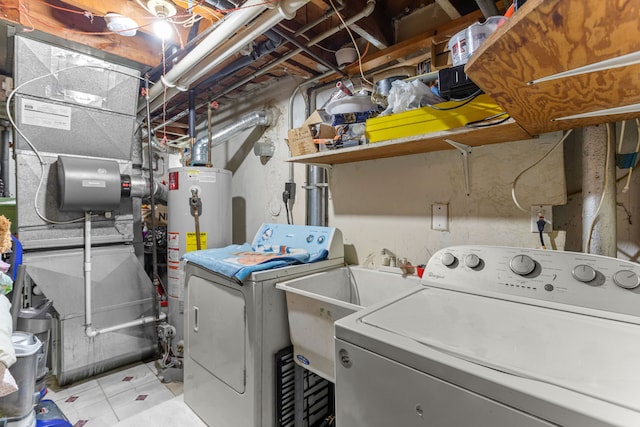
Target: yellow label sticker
[[192, 241]]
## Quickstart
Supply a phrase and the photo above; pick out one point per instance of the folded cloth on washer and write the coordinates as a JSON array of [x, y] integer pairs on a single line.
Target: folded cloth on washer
[[239, 261]]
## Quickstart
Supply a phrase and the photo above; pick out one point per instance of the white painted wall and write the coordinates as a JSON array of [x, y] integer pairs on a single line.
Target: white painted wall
[[386, 203]]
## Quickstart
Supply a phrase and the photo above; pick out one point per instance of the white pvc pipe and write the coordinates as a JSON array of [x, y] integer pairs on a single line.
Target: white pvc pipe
[[92, 332], [89, 330], [87, 269], [231, 24], [226, 49]]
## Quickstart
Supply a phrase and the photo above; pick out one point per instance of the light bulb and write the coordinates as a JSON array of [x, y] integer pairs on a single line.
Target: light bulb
[[162, 29]]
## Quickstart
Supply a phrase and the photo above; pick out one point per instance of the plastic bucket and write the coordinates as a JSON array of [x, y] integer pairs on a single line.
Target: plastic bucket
[[478, 33], [18, 404], [458, 48]]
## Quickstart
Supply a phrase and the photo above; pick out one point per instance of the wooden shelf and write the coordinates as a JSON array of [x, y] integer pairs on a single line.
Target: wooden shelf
[[546, 37], [507, 131]]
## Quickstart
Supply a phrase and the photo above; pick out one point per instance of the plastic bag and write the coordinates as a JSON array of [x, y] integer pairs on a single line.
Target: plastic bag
[[405, 96], [8, 384], [6, 284]]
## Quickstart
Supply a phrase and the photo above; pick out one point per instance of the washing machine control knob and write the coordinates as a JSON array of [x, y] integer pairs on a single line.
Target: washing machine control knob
[[448, 259], [626, 279], [583, 273], [522, 264], [472, 260]]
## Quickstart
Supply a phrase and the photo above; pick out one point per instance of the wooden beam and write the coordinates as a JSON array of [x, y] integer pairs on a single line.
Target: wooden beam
[[9, 10], [204, 11], [420, 45], [78, 28], [127, 8], [320, 4], [449, 9]]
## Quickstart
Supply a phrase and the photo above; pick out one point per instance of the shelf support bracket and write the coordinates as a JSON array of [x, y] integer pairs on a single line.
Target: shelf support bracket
[[466, 152]]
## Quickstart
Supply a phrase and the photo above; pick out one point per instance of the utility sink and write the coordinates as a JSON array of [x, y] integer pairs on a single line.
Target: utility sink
[[316, 301]]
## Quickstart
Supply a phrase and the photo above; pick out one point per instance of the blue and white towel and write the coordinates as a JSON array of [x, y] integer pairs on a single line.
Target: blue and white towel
[[239, 261]]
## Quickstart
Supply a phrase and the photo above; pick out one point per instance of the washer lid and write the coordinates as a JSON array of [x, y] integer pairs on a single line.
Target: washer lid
[[593, 356]]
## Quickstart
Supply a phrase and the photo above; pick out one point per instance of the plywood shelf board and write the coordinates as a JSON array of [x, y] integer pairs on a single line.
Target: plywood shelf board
[[508, 131], [546, 37]]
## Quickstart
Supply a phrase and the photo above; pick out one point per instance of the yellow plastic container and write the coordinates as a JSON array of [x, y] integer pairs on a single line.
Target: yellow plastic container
[[427, 119]]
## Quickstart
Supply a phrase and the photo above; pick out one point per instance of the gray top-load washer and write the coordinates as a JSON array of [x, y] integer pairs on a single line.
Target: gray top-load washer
[[497, 337]]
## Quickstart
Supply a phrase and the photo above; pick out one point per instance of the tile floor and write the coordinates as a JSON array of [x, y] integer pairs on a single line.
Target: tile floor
[[133, 396]]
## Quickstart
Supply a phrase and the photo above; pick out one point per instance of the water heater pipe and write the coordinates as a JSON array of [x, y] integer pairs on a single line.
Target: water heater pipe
[[200, 152]]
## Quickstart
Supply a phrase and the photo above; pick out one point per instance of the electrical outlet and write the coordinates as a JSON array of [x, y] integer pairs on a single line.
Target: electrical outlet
[[538, 211]]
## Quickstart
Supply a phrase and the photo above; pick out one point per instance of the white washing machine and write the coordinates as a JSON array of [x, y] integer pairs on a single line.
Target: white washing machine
[[497, 337], [234, 328]]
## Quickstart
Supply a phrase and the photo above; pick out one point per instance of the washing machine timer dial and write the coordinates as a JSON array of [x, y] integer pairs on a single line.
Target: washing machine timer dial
[[522, 264], [583, 273], [472, 260], [626, 279], [448, 259]]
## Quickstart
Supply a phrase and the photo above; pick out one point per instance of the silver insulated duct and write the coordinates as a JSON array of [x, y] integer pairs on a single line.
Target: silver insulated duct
[[200, 151]]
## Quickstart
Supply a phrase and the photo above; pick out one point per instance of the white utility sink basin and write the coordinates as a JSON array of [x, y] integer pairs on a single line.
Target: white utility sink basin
[[316, 301]]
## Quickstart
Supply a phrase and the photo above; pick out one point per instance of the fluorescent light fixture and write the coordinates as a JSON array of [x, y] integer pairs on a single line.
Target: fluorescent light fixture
[[617, 62], [162, 29], [633, 108]]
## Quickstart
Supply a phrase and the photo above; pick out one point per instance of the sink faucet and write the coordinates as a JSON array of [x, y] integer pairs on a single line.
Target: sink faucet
[[405, 266], [392, 256]]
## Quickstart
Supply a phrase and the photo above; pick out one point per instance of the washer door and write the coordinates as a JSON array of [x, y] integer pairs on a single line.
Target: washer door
[[217, 330]]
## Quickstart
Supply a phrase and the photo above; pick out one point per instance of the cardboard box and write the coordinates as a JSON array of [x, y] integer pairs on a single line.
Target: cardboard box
[[301, 139]]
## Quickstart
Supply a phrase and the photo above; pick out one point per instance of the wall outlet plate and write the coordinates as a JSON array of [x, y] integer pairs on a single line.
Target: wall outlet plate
[[545, 211], [440, 216]]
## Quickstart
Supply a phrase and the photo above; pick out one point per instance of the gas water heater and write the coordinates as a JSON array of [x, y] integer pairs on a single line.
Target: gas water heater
[[199, 217]]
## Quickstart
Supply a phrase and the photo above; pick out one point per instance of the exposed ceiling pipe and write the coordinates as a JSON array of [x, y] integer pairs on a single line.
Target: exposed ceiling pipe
[[300, 32], [156, 72], [232, 23], [488, 8], [379, 44], [200, 150], [192, 114], [328, 14], [371, 4], [309, 52], [224, 50], [258, 51]]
